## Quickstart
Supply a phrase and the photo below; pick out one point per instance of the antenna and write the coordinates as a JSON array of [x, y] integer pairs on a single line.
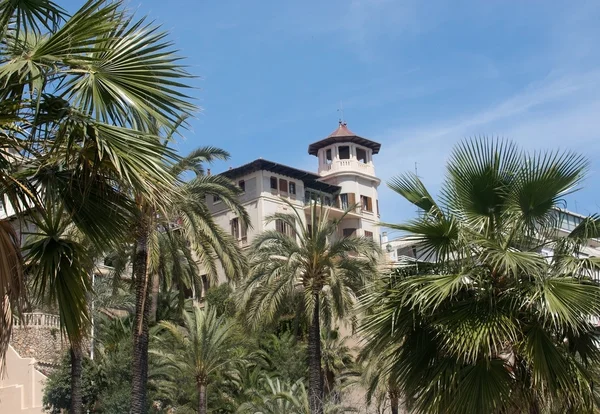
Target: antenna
[[419, 211], [341, 111]]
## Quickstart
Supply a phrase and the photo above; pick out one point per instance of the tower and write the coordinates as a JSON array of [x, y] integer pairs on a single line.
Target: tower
[[346, 160]]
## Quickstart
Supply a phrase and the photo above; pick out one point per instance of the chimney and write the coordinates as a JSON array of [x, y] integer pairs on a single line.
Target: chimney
[[208, 172], [384, 237]]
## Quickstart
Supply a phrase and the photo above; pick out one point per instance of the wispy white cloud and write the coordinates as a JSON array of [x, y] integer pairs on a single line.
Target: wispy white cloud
[[556, 112]]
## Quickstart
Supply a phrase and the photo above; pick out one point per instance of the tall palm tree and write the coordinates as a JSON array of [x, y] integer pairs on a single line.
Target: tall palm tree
[[186, 239], [79, 96], [503, 323], [203, 348], [313, 267], [199, 240]]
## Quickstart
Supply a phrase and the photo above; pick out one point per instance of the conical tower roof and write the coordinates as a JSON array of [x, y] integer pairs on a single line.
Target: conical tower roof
[[343, 134]]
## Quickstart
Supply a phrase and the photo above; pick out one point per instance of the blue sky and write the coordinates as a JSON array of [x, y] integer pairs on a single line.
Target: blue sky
[[416, 76]]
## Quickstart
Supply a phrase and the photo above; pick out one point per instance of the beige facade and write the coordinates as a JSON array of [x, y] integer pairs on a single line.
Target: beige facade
[[345, 177], [22, 386]]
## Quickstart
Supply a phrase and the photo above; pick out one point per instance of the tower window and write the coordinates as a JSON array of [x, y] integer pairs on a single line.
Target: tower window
[[349, 232], [344, 152], [283, 185], [328, 158], [343, 201], [292, 188], [361, 155], [273, 183], [365, 203]]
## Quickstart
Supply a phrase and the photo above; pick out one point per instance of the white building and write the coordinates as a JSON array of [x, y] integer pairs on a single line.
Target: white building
[[404, 250], [345, 177]]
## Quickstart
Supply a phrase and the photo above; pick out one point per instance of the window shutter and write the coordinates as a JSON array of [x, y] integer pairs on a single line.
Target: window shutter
[[351, 199], [283, 185]]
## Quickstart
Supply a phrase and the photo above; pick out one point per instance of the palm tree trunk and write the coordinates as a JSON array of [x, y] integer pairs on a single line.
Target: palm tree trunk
[[394, 394], [140, 332], [154, 295], [201, 397], [76, 406], [315, 374], [394, 402]]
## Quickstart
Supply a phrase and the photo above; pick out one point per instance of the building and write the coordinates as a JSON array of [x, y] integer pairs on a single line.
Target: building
[[345, 177], [405, 250]]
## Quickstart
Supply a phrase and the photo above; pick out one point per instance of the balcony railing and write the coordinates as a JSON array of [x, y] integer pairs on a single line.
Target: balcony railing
[[346, 165], [37, 319]]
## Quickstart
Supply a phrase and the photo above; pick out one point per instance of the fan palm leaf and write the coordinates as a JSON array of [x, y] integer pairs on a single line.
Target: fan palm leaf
[[499, 325]]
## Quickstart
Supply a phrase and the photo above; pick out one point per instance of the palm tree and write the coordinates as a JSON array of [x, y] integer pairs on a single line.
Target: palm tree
[[337, 361], [380, 386], [275, 396], [180, 252], [79, 96], [199, 239], [503, 323], [201, 350], [313, 267]]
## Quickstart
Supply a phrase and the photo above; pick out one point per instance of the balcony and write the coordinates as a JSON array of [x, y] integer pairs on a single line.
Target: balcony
[[332, 211], [350, 165]]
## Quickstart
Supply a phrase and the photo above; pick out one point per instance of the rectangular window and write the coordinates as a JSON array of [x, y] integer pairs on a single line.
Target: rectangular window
[[244, 232], [377, 203], [343, 201], [273, 183], [235, 228], [349, 232], [283, 227], [328, 158], [344, 152], [361, 155], [351, 199], [292, 188], [242, 185], [216, 199], [369, 234], [205, 284], [366, 203], [283, 185]]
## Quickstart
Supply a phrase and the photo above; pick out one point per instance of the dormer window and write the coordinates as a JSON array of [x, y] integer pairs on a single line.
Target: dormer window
[[344, 152], [361, 155]]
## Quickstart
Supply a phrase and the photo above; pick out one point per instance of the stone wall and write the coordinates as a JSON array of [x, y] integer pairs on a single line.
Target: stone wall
[[44, 343]]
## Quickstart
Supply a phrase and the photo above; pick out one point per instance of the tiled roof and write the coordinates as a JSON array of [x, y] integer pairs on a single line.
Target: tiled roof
[[310, 180], [343, 134]]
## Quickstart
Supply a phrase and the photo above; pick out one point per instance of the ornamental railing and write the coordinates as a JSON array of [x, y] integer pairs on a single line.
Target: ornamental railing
[[37, 319]]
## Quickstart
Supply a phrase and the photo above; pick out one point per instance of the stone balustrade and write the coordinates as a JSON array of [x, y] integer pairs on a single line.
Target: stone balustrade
[[46, 320]]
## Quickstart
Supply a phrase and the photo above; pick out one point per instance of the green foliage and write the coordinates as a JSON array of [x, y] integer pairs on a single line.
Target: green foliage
[[57, 391], [493, 324], [220, 299], [282, 357]]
